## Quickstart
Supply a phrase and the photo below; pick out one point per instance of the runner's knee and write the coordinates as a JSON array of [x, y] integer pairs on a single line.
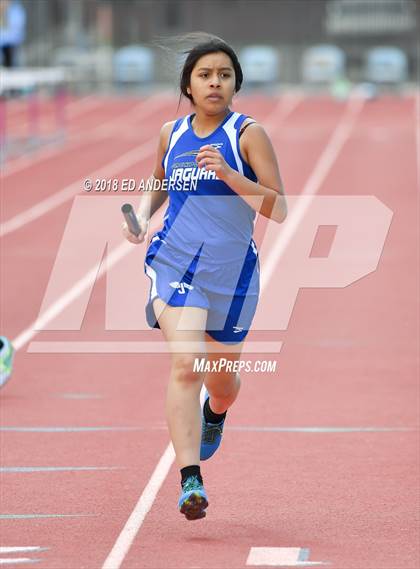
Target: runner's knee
[[184, 369], [223, 385]]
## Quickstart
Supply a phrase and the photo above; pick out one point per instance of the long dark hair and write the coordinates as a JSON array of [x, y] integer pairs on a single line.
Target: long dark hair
[[193, 55], [193, 45]]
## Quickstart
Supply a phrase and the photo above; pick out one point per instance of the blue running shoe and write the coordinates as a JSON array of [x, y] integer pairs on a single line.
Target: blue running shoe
[[193, 500], [211, 437], [6, 359]]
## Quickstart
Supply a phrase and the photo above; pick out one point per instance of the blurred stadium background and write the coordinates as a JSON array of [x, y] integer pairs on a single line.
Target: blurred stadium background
[[87, 35], [79, 47]]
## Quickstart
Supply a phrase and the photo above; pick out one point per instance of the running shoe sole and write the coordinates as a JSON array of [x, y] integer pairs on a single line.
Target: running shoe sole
[[193, 506]]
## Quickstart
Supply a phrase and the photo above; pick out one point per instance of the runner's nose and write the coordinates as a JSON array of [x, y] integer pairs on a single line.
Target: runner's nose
[[215, 80]]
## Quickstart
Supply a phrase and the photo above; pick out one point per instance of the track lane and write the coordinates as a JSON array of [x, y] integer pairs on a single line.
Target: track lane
[[144, 551]]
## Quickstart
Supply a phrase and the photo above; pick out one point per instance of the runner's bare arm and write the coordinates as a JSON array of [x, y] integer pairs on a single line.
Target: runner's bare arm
[[151, 201], [258, 151]]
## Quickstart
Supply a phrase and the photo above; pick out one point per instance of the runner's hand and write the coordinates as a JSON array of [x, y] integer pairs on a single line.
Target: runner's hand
[[210, 158], [133, 238]]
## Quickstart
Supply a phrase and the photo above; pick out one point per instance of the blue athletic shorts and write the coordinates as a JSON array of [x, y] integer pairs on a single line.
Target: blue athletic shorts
[[230, 314]]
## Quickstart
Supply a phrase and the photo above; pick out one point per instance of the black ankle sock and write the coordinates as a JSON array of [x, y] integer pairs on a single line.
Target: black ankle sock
[[192, 470], [211, 417]]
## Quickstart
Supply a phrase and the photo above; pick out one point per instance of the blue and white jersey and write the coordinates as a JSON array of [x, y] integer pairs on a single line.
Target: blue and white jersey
[[204, 214]]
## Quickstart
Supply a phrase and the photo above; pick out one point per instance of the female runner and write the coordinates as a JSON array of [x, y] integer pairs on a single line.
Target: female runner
[[218, 168]]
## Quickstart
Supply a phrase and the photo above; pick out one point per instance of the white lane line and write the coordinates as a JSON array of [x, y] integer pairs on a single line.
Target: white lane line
[[273, 556], [74, 429], [110, 347], [341, 133], [281, 557], [14, 469], [134, 522], [322, 429], [17, 560], [79, 396], [250, 428], [42, 516], [21, 549]]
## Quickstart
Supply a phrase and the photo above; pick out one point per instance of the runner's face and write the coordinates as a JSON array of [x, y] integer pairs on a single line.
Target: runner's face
[[212, 82]]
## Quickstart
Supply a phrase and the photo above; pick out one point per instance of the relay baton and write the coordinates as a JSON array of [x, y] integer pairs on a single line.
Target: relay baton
[[131, 219]]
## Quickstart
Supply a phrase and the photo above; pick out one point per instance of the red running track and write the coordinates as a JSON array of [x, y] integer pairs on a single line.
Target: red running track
[[321, 455]]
